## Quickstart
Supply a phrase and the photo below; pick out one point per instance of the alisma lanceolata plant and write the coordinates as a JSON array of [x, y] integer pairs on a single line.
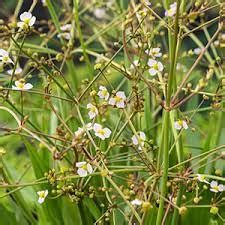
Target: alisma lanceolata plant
[[112, 112]]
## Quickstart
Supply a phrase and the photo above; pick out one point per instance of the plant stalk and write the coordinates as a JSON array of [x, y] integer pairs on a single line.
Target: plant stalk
[[166, 119]]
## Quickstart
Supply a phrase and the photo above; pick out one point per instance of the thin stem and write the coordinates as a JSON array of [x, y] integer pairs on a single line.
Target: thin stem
[[166, 120]]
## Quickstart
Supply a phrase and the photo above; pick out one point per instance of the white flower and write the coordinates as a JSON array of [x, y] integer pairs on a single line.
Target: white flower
[[135, 63], [140, 140], [42, 195], [66, 27], [21, 85], [103, 93], [214, 187], [64, 35], [4, 57], [17, 71], [179, 124], [201, 178], [101, 132], [136, 202], [66, 31], [154, 52], [118, 100], [197, 51], [93, 111], [172, 10], [81, 131], [99, 13], [27, 20], [84, 169], [155, 67]]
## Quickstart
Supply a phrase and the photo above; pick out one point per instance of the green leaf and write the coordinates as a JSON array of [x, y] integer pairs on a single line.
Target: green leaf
[[70, 212], [39, 164], [9, 217], [92, 207], [17, 195]]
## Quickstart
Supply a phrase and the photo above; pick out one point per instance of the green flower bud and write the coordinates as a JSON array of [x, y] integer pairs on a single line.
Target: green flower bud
[[182, 210], [214, 210]]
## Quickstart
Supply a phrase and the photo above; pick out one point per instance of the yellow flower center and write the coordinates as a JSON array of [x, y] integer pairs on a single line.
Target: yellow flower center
[[202, 177], [20, 85], [118, 99], [84, 167], [155, 66], [216, 188], [93, 109], [180, 122], [102, 132], [5, 58], [42, 194], [104, 92], [26, 21]]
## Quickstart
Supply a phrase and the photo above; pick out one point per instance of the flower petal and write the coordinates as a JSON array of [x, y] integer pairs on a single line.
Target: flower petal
[[80, 164], [107, 132], [27, 86], [177, 126], [121, 94], [213, 184], [120, 104], [25, 15], [82, 172], [89, 168], [32, 21], [112, 101], [97, 127], [152, 71], [151, 62]]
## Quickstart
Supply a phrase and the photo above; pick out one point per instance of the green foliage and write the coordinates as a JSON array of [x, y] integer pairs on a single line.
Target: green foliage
[[155, 145]]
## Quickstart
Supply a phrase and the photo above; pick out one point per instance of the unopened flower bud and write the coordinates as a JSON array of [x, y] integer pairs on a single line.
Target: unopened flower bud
[[214, 210], [182, 210]]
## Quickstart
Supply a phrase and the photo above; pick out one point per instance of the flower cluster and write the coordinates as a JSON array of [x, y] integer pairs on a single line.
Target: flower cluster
[[65, 31], [99, 131], [155, 66], [119, 101], [214, 186], [27, 21]]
